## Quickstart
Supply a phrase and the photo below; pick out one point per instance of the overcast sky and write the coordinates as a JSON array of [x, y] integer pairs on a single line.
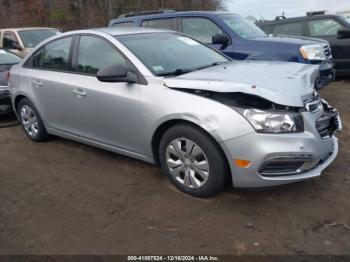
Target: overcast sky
[[269, 9]]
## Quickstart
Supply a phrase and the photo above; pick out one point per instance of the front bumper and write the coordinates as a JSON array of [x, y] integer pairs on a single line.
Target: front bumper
[[317, 148], [326, 76], [255, 147]]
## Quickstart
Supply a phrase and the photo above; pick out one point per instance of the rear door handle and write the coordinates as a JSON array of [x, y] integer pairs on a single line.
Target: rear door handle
[[79, 93]]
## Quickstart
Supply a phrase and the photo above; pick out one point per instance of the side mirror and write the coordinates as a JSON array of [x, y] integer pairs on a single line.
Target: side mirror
[[344, 33], [16, 46], [115, 74], [10, 44], [220, 39]]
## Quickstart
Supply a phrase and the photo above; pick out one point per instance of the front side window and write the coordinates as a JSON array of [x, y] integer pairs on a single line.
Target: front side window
[[326, 27], [123, 24], [10, 41], [164, 23], [201, 29], [53, 56], [171, 54], [31, 38], [288, 29], [95, 54], [242, 27]]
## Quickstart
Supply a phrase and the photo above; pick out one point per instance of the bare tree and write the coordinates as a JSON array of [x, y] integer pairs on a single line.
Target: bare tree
[[74, 14]]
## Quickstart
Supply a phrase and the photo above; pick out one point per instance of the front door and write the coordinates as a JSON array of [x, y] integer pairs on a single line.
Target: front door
[[108, 113]]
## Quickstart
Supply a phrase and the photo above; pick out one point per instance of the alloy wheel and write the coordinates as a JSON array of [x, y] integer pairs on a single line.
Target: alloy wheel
[[188, 163], [29, 121]]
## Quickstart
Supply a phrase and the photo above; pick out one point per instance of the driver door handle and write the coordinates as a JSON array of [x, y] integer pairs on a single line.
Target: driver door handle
[[79, 92]]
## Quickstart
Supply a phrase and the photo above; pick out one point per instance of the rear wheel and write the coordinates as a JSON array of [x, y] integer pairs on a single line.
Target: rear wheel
[[193, 161], [31, 121]]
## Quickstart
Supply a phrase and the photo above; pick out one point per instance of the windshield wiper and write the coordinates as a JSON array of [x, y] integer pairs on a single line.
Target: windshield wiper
[[177, 72], [213, 64]]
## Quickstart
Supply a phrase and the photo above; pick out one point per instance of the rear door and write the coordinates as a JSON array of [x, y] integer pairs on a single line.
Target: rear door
[[327, 29], [50, 79]]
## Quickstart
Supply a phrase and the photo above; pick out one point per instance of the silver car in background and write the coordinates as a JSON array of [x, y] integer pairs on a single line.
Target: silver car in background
[[165, 98]]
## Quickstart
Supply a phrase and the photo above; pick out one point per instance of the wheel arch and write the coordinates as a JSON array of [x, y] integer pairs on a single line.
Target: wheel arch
[[17, 100], [162, 128]]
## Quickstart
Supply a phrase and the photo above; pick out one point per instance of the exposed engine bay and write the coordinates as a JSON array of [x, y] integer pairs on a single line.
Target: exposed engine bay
[[238, 99]]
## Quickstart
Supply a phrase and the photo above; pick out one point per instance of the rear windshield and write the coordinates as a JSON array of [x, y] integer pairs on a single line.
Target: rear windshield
[[31, 38], [7, 58], [242, 27]]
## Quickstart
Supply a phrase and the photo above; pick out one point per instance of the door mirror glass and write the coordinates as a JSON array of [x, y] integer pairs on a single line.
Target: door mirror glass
[[116, 73], [344, 33], [220, 39]]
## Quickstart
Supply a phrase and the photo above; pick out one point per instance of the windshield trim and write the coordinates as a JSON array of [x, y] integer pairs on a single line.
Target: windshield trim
[[188, 70]]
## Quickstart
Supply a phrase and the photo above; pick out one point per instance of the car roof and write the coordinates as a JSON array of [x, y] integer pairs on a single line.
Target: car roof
[[26, 28], [296, 19], [169, 14]]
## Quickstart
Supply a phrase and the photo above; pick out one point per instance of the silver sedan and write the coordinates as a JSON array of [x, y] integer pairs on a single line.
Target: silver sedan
[[167, 99]]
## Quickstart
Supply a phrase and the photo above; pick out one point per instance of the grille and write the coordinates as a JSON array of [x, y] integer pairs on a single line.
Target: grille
[[4, 93], [327, 51]]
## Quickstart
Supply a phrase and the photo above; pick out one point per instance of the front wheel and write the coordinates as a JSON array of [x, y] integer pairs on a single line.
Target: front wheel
[[193, 161]]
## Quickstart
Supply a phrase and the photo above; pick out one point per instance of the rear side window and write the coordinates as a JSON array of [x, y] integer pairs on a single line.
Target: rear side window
[[288, 29], [53, 56], [10, 41], [325, 27], [201, 29], [56, 55], [164, 23], [124, 24], [95, 54]]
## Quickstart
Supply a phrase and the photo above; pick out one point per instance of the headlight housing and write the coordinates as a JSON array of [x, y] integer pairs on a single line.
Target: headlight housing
[[274, 122], [313, 52]]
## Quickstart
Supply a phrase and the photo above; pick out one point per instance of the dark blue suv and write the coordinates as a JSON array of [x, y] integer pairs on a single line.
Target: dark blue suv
[[237, 37]]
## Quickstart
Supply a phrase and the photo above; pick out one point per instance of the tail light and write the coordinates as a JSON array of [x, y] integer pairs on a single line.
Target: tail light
[[7, 76]]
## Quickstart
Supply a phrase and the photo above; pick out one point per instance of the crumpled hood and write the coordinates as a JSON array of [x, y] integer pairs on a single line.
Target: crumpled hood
[[283, 83]]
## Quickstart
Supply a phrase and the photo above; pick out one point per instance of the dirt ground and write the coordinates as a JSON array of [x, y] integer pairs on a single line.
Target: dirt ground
[[62, 197]]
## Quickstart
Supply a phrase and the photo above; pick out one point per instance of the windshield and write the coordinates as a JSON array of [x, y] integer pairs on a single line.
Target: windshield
[[242, 27], [171, 54], [31, 38], [7, 58]]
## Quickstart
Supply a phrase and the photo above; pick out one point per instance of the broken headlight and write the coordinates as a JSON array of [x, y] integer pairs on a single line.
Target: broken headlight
[[274, 122]]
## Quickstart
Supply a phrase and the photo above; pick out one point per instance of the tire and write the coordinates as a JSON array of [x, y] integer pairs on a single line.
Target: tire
[[188, 171], [31, 121]]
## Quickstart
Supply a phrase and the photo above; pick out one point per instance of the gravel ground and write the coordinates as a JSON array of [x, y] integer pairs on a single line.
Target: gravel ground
[[62, 197]]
